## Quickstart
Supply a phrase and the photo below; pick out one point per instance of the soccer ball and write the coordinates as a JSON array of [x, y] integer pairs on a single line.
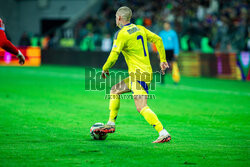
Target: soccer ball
[[99, 136]]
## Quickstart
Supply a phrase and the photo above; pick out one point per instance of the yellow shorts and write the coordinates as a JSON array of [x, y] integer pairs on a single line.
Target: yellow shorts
[[137, 87]]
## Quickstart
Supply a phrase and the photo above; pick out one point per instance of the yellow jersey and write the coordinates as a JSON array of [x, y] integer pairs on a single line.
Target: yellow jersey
[[132, 40]]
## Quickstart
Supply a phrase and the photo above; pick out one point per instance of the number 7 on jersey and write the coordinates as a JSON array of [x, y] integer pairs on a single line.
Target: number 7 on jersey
[[141, 38]]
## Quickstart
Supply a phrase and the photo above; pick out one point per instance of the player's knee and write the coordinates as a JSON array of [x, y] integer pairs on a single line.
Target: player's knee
[[139, 108], [113, 90]]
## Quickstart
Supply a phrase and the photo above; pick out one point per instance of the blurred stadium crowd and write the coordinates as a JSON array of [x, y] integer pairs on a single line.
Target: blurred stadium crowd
[[203, 25]]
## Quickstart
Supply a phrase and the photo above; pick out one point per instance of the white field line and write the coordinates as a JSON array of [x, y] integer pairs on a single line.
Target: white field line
[[48, 73], [207, 90], [176, 87]]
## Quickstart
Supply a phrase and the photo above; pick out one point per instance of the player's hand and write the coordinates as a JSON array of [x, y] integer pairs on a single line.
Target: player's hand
[[21, 58], [164, 66], [105, 74]]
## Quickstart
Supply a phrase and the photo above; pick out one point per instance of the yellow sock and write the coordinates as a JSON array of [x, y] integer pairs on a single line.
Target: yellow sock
[[114, 106], [151, 118]]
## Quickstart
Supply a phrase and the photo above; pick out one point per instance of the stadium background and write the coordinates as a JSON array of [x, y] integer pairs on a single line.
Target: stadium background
[[46, 113]]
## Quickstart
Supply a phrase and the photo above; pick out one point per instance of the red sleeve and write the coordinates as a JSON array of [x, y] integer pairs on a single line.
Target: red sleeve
[[6, 44]]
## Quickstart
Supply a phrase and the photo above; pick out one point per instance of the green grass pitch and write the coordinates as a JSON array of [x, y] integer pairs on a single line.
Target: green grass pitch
[[46, 114]]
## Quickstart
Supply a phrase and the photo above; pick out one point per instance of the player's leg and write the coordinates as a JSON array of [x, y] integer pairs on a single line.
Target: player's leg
[[140, 90], [114, 105], [146, 112], [151, 118]]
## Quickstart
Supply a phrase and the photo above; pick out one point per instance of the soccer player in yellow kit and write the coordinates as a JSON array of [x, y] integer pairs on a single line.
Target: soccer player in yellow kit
[[132, 40]]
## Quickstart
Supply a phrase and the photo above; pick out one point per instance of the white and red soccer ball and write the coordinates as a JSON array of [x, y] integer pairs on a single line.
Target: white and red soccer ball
[[97, 136]]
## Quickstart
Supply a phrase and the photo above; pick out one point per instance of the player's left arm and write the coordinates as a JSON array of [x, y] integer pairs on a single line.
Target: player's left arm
[[153, 38], [157, 40], [114, 54]]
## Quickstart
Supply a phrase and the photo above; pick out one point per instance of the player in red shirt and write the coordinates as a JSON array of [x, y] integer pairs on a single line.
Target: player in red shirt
[[8, 46]]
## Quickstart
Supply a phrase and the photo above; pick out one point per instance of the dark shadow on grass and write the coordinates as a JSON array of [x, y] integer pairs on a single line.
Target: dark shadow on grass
[[189, 163]]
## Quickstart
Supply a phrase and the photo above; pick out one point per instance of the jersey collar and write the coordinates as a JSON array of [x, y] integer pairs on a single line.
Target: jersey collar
[[126, 25]]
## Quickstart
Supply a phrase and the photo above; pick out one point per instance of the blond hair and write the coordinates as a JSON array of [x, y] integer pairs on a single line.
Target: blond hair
[[125, 12]]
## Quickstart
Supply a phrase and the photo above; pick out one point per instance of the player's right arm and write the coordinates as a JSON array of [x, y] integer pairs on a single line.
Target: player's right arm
[[118, 45], [155, 39], [8, 46]]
